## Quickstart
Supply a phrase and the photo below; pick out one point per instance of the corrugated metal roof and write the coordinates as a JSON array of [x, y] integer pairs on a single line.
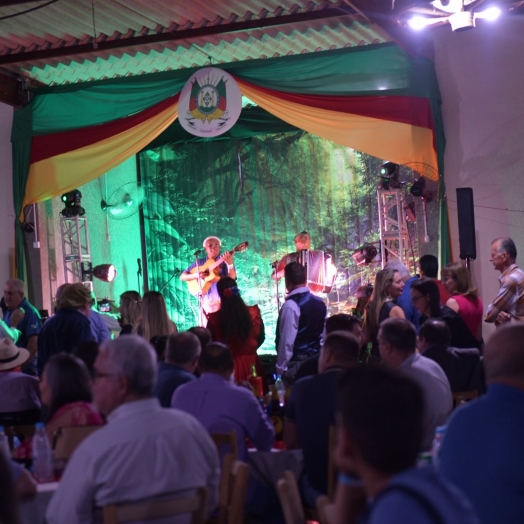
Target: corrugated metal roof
[[62, 24]]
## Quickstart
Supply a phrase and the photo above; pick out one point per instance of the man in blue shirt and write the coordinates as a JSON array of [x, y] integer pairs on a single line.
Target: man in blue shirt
[[182, 352], [379, 435], [29, 326], [482, 449]]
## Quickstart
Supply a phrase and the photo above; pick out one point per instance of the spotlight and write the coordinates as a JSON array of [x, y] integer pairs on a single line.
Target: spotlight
[[364, 255], [104, 272], [492, 13], [390, 176], [72, 204], [418, 187]]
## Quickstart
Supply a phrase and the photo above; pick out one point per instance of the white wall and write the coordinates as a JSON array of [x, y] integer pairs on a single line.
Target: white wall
[[482, 83], [7, 214]]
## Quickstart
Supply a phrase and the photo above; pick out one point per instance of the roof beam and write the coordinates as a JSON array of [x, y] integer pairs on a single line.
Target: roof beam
[[173, 36]]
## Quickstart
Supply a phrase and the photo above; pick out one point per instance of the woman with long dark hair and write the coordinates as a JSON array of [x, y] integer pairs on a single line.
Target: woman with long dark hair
[[240, 327], [426, 299], [130, 306]]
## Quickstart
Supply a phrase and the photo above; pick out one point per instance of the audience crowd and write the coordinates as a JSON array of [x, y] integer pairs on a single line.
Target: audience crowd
[[153, 397]]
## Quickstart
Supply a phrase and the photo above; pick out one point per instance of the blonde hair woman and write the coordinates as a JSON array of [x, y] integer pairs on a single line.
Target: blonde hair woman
[[130, 306], [153, 320], [388, 287], [465, 298]]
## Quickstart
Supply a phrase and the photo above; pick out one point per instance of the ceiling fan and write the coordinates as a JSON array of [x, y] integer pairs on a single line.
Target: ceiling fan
[[460, 14]]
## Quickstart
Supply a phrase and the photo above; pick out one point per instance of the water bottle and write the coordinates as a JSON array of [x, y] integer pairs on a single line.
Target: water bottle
[[4, 444], [42, 454], [281, 390], [437, 443]]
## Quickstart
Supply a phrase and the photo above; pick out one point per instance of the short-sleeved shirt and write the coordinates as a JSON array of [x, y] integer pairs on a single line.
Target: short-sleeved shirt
[[311, 406], [29, 326], [510, 297]]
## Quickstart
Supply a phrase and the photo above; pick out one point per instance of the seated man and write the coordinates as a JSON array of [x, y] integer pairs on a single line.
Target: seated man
[[182, 352], [339, 322], [18, 392], [397, 346], [379, 435], [463, 366], [221, 406], [310, 411], [143, 450], [482, 449]]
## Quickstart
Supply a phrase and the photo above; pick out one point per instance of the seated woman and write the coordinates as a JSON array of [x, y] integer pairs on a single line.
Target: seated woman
[[154, 320], [426, 299], [465, 298], [129, 309], [388, 287], [65, 392], [240, 327]]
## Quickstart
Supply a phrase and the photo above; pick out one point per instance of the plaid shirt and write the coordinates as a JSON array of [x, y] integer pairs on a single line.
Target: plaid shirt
[[511, 295]]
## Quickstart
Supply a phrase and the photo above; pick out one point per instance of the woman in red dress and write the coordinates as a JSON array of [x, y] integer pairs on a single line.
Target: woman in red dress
[[240, 327]]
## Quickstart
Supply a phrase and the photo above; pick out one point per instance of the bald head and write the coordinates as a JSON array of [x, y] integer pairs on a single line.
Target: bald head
[[504, 356]]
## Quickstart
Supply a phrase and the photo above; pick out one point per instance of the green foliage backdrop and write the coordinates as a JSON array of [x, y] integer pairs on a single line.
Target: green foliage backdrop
[[264, 190]]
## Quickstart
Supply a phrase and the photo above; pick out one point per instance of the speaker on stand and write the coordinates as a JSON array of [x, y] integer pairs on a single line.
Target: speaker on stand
[[466, 225]]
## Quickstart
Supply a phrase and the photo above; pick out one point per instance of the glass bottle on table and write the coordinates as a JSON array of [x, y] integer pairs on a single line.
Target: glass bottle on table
[[256, 383], [42, 454]]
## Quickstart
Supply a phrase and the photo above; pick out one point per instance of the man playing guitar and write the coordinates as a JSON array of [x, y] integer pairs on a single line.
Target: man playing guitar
[[212, 245]]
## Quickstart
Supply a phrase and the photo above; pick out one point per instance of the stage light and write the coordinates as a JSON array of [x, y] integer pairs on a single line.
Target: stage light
[[390, 176], [364, 255], [72, 201], [417, 23], [490, 14], [104, 272], [418, 187]]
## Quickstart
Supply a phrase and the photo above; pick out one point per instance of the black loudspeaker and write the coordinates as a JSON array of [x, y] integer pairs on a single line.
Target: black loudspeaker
[[466, 223]]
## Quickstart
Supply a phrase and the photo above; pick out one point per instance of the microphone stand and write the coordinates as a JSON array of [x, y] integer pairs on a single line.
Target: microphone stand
[[200, 295], [176, 271], [139, 273], [274, 266]]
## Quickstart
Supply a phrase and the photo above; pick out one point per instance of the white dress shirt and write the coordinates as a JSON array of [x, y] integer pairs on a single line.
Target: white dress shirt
[[143, 451]]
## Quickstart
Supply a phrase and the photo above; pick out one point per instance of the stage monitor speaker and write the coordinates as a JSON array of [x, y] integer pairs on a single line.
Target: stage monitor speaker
[[466, 223]]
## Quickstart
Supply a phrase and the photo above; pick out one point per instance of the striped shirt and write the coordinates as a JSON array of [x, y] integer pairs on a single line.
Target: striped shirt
[[510, 298]]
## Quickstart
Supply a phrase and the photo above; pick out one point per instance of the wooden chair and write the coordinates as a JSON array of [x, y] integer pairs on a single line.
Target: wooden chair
[[460, 397], [157, 508], [232, 491], [67, 439], [290, 499], [226, 441]]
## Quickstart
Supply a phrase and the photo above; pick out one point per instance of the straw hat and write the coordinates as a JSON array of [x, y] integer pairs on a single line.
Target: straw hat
[[11, 356], [74, 296]]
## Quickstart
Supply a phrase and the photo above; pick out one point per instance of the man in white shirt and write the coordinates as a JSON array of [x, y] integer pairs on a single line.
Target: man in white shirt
[[143, 451], [397, 346]]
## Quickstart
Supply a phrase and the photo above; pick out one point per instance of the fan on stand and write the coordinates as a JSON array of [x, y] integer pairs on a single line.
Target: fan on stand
[[124, 202]]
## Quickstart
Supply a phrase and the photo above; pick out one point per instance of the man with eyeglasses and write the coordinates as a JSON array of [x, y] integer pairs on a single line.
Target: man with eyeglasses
[[212, 246], [143, 451]]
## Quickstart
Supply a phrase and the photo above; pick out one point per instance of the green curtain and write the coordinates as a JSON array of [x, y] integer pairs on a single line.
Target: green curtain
[[265, 190]]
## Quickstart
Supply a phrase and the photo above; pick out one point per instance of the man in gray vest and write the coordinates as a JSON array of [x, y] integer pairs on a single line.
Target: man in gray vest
[[300, 323]]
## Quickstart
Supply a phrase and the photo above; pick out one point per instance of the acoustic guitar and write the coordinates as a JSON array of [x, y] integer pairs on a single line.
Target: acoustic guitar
[[209, 272]]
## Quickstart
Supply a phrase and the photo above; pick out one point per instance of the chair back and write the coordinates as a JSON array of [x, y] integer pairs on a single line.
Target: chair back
[[233, 488], [67, 439], [226, 443], [290, 499], [158, 508]]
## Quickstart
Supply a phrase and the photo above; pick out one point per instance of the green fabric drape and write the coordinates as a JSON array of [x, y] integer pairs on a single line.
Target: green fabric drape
[[384, 69]]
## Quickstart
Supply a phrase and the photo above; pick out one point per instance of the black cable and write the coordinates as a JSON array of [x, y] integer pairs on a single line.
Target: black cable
[[28, 10]]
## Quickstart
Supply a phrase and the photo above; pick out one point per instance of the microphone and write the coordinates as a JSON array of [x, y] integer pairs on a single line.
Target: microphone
[[139, 262], [196, 253]]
